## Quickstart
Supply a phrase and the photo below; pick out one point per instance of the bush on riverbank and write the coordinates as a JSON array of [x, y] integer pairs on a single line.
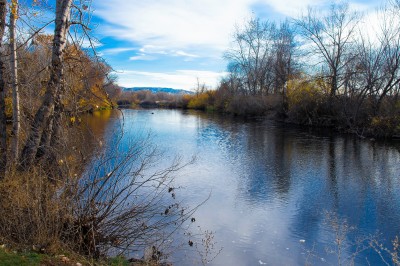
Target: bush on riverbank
[[385, 126], [201, 101], [111, 204], [306, 101], [148, 99], [241, 105]]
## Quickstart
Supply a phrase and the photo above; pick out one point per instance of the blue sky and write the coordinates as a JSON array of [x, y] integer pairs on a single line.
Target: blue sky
[[171, 43]]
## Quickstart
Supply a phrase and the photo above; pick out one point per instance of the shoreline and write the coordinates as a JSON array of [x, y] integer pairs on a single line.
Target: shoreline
[[280, 117]]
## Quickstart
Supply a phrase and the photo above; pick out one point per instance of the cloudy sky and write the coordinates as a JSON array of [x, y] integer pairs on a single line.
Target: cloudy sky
[[171, 43]]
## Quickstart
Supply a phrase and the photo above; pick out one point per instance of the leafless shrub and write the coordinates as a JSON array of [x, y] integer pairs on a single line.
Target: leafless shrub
[[392, 253], [207, 248], [120, 205], [123, 206], [344, 248], [250, 105], [201, 247]]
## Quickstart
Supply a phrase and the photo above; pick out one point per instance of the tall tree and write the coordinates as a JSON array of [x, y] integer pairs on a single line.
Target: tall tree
[[284, 52], [43, 124], [375, 75], [251, 56], [390, 43], [14, 80], [332, 38], [3, 130]]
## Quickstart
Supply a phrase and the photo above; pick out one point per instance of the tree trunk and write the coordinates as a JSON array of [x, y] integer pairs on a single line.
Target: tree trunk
[[3, 129], [334, 82], [57, 128], [39, 124], [14, 81], [45, 139], [51, 134]]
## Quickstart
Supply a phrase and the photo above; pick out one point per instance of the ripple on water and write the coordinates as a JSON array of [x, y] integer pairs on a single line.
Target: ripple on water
[[271, 185]]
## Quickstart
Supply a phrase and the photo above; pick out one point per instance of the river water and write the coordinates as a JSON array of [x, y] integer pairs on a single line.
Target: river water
[[278, 195]]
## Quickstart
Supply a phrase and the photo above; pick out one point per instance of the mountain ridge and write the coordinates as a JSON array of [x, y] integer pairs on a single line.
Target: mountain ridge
[[158, 90]]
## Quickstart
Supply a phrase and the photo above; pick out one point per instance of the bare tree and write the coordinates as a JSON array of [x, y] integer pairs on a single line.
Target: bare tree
[[375, 72], [200, 87], [390, 46], [251, 56], [285, 63], [262, 56], [332, 36]]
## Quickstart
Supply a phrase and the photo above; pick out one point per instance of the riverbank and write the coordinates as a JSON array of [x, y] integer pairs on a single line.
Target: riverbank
[[324, 116], [9, 257]]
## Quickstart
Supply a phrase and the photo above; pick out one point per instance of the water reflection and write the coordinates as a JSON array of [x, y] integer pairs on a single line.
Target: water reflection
[[271, 184]]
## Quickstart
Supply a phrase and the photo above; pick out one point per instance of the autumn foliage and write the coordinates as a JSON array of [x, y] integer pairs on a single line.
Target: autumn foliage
[[85, 77]]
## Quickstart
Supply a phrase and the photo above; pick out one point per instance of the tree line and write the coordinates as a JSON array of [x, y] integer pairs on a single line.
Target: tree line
[[329, 67]]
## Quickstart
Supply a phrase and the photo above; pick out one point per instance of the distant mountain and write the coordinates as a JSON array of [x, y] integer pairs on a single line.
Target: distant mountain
[[158, 89]]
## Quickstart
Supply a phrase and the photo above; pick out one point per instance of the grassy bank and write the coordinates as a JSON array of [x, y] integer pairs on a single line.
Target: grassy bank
[[8, 258], [32, 258]]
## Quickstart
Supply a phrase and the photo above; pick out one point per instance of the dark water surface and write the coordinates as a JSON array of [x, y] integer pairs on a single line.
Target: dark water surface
[[273, 187]]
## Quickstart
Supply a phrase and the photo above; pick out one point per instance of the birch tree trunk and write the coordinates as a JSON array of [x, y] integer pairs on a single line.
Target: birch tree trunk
[[3, 130], [14, 81], [54, 86]]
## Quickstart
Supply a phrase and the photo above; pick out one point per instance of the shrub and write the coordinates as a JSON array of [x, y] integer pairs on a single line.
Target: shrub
[[246, 106], [307, 100], [202, 100], [222, 97], [117, 205], [185, 100], [383, 127]]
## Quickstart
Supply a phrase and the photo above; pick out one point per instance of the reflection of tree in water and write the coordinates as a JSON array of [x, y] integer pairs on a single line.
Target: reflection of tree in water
[[332, 176], [261, 157], [307, 172], [268, 163], [92, 130], [339, 173], [225, 133], [357, 184]]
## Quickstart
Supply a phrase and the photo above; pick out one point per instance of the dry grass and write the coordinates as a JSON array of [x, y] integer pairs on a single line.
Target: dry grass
[[32, 214]]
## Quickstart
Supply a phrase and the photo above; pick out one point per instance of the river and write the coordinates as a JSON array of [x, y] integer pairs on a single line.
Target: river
[[279, 195]]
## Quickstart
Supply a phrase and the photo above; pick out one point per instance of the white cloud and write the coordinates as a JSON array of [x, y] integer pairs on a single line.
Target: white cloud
[[153, 49], [148, 52], [180, 79], [186, 24], [182, 53], [142, 57], [114, 51], [175, 24], [86, 43], [291, 8]]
